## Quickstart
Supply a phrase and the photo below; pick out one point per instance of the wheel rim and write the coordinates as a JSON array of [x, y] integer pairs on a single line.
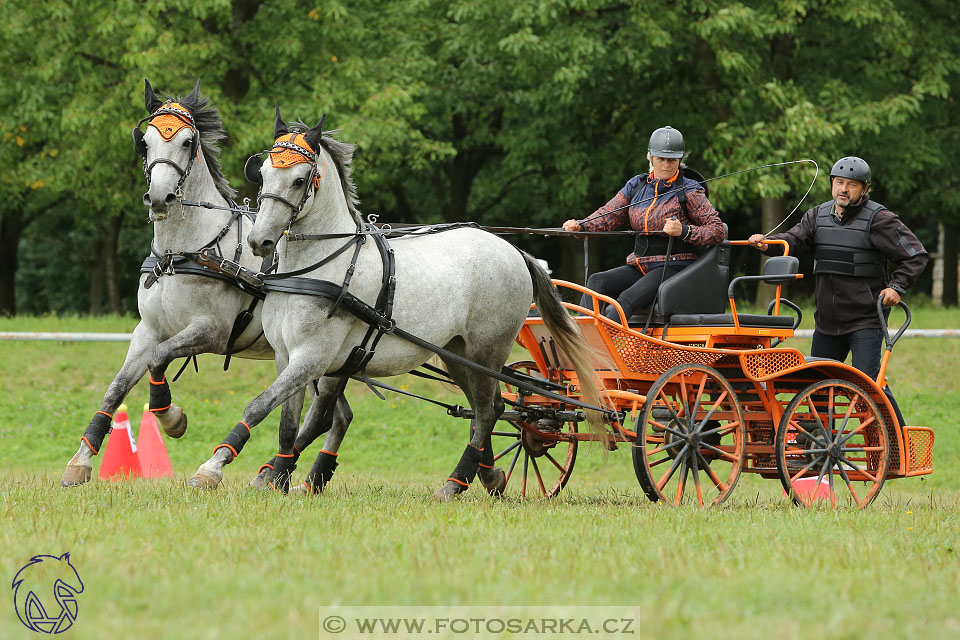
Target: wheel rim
[[832, 445], [690, 438]]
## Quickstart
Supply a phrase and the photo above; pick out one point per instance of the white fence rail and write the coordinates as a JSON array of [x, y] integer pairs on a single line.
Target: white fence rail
[[125, 337]]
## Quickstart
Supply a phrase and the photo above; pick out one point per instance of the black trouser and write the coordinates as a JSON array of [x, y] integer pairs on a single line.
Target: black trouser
[[631, 288], [864, 345]]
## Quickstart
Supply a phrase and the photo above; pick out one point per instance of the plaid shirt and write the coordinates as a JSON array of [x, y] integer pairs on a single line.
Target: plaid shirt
[[651, 203]]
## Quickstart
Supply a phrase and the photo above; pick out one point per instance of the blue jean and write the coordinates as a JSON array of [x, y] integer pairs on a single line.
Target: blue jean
[[864, 345]]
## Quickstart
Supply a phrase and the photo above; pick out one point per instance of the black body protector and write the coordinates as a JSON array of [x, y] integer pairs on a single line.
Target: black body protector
[[843, 247], [659, 245]]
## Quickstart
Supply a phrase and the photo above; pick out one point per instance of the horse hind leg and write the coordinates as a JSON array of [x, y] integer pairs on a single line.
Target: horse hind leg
[[325, 464], [483, 394]]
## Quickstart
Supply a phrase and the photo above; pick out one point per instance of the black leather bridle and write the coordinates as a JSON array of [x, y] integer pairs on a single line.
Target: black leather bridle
[[141, 147]]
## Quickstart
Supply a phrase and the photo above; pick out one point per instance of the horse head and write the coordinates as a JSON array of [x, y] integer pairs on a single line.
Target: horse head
[[289, 182]]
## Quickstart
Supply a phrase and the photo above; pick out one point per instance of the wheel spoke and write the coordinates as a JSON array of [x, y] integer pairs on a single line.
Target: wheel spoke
[[523, 480], [796, 424], [666, 477], [675, 443], [726, 456], [858, 469], [696, 478], [506, 451], [555, 463], [712, 474], [713, 409], [536, 470], [865, 423], [513, 463], [723, 430], [804, 470], [683, 480], [853, 492]]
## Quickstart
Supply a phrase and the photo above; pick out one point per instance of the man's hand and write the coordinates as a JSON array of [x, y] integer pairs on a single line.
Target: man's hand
[[758, 241], [571, 225], [890, 297], [672, 227]]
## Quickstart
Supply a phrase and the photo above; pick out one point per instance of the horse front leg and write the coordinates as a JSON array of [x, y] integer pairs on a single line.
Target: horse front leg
[[200, 336], [80, 468], [290, 381]]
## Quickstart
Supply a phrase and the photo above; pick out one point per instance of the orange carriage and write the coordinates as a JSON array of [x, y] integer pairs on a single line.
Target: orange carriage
[[703, 395]]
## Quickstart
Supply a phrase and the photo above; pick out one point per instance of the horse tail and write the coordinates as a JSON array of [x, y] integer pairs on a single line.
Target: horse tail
[[568, 337]]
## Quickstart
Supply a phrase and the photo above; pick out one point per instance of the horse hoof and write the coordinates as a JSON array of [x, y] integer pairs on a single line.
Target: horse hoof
[[263, 479], [497, 483], [204, 482], [448, 491], [75, 475], [173, 421], [300, 490]]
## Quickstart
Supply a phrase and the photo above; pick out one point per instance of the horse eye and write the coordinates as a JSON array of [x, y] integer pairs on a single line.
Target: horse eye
[[298, 182], [187, 142]]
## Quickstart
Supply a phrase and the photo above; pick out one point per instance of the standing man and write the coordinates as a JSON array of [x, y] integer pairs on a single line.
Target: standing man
[[853, 238]]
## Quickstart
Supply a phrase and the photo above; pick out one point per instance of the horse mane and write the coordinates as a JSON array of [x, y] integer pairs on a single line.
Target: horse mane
[[342, 154], [211, 131]]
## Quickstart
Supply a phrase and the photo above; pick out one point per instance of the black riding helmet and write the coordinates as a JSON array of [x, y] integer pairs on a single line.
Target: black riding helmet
[[851, 167], [666, 142]]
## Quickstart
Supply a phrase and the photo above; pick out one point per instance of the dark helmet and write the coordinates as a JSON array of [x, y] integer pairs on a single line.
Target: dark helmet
[[851, 167], [666, 142]]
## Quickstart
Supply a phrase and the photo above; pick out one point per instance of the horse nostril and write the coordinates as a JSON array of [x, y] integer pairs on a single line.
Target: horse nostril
[[146, 199], [170, 199]]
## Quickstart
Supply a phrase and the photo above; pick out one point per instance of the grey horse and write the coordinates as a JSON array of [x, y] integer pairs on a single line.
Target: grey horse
[[183, 315], [465, 290]]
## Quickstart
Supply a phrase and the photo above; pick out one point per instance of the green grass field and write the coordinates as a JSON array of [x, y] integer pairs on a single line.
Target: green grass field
[[160, 560]]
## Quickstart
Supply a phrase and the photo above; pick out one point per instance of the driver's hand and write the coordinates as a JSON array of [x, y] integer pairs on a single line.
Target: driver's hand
[[571, 225], [890, 297], [758, 241]]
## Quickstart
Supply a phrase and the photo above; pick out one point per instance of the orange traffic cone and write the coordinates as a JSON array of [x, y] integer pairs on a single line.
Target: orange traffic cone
[[154, 461], [807, 488], [120, 458]]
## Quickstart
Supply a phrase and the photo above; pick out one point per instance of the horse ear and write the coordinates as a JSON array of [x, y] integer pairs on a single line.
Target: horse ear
[[313, 136], [279, 126], [151, 101], [194, 96]]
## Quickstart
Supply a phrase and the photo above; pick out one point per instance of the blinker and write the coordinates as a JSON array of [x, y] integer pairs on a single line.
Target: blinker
[[138, 144], [251, 170]]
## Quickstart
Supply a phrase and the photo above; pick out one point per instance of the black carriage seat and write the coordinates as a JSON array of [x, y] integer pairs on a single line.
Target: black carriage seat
[[776, 270], [701, 288]]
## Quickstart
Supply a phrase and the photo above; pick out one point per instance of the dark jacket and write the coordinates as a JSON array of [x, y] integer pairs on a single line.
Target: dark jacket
[[846, 303], [651, 203]]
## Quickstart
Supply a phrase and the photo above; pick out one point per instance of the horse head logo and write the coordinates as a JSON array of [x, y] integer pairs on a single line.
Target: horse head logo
[[45, 593]]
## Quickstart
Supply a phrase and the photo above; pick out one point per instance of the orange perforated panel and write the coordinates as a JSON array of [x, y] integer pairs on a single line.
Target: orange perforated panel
[[169, 124], [769, 362], [919, 446], [282, 157], [648, 356]]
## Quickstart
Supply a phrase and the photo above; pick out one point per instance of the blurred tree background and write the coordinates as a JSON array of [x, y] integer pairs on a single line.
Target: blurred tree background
[[503, 112]]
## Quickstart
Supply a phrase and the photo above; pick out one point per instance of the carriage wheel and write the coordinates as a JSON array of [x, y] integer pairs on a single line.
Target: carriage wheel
[[832, 431], [546, 463], [691, 439]]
